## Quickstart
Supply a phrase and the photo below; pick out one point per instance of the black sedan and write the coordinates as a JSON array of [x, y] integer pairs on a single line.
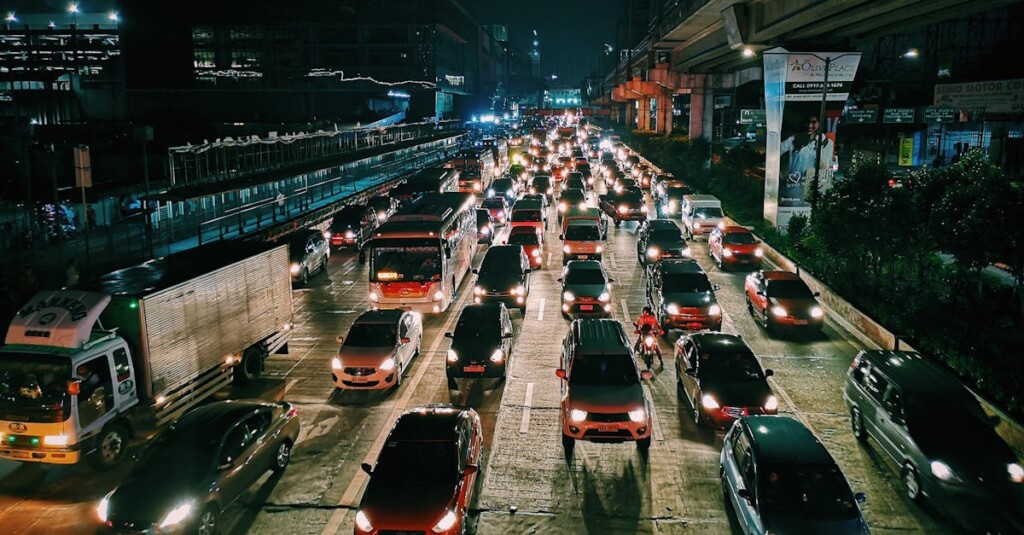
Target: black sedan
[[722, 379], [199, 465], [481, 343]]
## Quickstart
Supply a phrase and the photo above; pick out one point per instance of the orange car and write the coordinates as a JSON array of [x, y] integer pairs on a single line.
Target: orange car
[[781, 299], [425, 475], [735, 246], [532, 240]]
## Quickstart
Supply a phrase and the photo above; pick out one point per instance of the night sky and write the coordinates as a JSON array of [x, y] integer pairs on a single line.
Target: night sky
[[572, 33]]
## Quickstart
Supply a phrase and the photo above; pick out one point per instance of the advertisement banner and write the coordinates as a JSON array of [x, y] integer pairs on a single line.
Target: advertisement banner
[[906, 158], [996, 96], [799, 148]]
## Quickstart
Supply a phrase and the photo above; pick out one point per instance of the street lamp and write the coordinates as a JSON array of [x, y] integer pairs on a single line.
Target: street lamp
[[748, 52], [73, 8], [10, 17], [113, 17]]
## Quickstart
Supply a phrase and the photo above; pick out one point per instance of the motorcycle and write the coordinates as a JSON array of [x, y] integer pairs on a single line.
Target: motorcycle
[[648, 345]]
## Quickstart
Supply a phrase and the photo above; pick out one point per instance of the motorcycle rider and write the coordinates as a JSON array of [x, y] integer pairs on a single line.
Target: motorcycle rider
[[648, 323]]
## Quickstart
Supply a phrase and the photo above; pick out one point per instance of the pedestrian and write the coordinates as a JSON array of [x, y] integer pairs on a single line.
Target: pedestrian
[[280, 202], [90, 217], [71, 274]]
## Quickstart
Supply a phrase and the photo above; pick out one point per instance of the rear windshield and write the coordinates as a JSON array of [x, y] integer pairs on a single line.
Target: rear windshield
[[523, 239], [526, 215], [707, 212]]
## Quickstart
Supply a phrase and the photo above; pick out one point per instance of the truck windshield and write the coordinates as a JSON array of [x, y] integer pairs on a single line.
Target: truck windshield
[[582, 233], [405, 260], [707, 212], [34, 387]]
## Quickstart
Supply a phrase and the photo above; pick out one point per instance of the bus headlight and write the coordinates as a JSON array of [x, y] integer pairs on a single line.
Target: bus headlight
[[373, 297], [438, 295], [714, 310], [672, 309], [598, 249]]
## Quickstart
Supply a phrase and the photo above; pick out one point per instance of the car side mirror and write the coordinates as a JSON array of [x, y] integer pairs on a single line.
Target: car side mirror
[[647, 375], [561, 236], [560, 373], [861, 497], [406, 340], [745, 494], [507, 335], [475, 272], [449, 335], [367, 468], [470, 470], [340, 339], [559, 280], [226, 465], [611, 280], [817, 294], [692, 372], [769, 372], [716, 287]]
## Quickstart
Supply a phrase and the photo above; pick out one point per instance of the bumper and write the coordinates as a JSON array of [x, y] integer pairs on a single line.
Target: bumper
[[613, 432], [378, 380], [423, 307], [343, 242], [485, 369], [735, 260], [725, 416], [69, 455], [795, 324], [631, 216], [587, 309], [694, 323], [580, 256], [511, 301], [703, 230]]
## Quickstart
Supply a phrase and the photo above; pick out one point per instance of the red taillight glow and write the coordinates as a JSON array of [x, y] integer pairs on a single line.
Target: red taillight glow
[[293, 412]]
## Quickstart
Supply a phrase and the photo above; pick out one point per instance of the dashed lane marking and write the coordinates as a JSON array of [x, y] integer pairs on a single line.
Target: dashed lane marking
[[540, 311], [655, 422], [524, 427], [625, 312], [287, 387]]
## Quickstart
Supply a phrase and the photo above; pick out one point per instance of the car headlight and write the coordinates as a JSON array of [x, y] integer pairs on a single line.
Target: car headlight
[[497, 355], [637, 415], [653, 252], [294, 268], [562, 206], [511, 193], [381, 216], [446, 522], [568, 296], [362, 522], [721, 225], [1016, 472], [622, 209], [550, 191], [726, 252], [478, 290], [536, 253], [55, 440], [714, 310], [336, 363], [604, 297], [453, 356], [758, 253], [672, 309], [177, 515], [476, 186], [696, 224], [103, 507], [598, 249], [772, 404], [387, 365], [486, 229], [941, 470], [373, 297], [490, 192], [816, 312], [438, 295], [566, 249], [577, 415], [327, 234], [779, 311], [709, 402], [519, 290], [349, 234]]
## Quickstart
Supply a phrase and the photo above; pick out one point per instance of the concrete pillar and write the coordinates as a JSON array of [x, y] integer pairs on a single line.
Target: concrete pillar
[[696, 113], [665, 113], [709, 114], [630, 113], [644, 115]]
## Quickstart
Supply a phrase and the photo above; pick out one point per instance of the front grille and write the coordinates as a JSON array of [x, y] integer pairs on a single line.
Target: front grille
[[393, 532], [357, 385], [607, 417], [595, 435], [360, 371], [736, 412]]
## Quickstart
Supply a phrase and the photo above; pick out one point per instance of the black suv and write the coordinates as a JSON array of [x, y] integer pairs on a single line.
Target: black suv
[[625, 206], [682, 297], [503, 277], [722, 378], [353, 226], [481, 343], [659, 239]]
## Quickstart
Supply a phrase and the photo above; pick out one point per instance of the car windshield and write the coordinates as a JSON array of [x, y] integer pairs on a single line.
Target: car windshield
[[813, 490], [493, 202], [572, 195], [789, 289], [541, 183], [667, 234], [677, 193], [685, 283], [582, 233], [730, 367], [520, 238], [603, 370], [738, 238], [372, 335], [410, 462], [482, 217], [34, 387], [584, 276], [405, 260], [528, 216], [707, 212]]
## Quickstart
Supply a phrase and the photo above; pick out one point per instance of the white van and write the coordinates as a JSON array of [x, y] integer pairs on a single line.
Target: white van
[[701, 214]]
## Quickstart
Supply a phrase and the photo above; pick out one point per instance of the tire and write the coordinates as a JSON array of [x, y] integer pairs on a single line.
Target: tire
[[305, 276], [568, 443], [750, 306], [206, 524], [249, 369], [644, 444], [698, 413], [111, 447], [323, 265], [911, 483], [857, 425], [399, 370], [282, 457]]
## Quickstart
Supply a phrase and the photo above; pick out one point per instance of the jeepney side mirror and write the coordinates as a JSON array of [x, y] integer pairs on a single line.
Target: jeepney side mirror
[[74, 387], [447, 252], [340, 339], [406, 340]]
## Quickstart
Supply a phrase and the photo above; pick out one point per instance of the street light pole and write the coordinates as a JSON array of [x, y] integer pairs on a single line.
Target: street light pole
[[820, 139]]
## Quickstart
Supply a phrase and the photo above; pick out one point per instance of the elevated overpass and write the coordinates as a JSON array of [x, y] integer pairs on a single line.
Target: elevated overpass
[[698, 47]]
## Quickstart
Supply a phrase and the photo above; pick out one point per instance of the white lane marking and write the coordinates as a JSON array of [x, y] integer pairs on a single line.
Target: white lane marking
[[655, 423], [548, 263], [305, 429], [540, 311], [625, 312], [525, 426], [287, 387], [612, 263], [317, 430], [355, 487], [316, 345], [350, 268]]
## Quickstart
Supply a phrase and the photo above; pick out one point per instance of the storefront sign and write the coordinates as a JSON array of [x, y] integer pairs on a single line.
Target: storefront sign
[[996, 96]]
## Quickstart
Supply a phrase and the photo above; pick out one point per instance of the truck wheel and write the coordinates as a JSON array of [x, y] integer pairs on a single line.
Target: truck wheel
[[250, 368], [111, 446]]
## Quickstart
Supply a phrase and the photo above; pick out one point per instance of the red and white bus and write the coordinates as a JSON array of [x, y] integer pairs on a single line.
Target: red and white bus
[[476, 169], [419, 257]]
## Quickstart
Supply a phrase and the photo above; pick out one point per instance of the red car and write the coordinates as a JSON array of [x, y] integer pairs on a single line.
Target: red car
[[735, 246], [498, 208], [532, 240], [781, 299], [424, 478]]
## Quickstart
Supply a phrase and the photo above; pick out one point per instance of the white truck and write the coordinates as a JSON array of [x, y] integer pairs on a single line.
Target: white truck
[[701, 214], [81, 372]]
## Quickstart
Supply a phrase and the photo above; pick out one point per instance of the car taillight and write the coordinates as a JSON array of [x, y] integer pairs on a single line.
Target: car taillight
[[293, 412], [855, 363]]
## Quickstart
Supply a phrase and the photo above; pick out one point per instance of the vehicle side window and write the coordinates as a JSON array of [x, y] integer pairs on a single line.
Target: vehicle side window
[[403, 328], [862, 370], [95, 395], [876, 384], [893, 402], [121, 366], [464, 444], [258, 424], [234, 443], [744, 460]]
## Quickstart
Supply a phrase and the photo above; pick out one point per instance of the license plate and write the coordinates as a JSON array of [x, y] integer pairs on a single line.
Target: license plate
[[744, 261], [359, 379], [474, 369], [586, 307], [607, 428], [799, 322], [695, 325], [581, 256]]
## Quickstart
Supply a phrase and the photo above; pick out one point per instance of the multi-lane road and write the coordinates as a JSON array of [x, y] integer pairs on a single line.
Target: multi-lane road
[[527, 484]]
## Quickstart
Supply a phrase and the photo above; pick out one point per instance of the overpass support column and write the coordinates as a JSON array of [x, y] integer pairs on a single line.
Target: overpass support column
[[645, 115], [630, 114], [665, 113], [709, 115], [696, 113]]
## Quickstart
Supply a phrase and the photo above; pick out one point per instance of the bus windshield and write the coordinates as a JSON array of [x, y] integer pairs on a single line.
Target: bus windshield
[[403, 260]]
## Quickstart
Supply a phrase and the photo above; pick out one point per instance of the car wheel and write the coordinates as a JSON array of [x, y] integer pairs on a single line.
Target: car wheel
[[698, 414], [282, 456], [111, 447], [750, 306], [305, 276], [911, 483], [725, 489], [568, 442], [857, 424], [206, 524], [323, 265], [643, 444]]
